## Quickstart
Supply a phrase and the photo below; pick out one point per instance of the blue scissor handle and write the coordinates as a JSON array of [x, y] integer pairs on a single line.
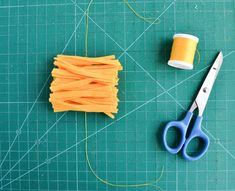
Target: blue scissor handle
[[182, 126], [196, 133], [183, 144]]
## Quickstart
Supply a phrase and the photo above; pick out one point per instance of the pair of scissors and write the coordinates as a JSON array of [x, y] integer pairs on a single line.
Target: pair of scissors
[[183, 125]]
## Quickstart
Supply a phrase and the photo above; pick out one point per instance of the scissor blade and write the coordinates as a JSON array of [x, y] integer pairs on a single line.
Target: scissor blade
[[205, 90], [218, 63]]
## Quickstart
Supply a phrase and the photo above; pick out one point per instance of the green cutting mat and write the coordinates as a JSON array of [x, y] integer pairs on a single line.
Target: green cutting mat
[[42, 150]]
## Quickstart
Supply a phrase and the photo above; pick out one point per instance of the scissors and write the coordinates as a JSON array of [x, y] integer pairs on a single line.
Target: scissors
[[183, 125]]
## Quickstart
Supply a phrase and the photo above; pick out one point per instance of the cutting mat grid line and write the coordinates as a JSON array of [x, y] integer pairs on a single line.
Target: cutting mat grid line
[[226, 126], [128, 149]]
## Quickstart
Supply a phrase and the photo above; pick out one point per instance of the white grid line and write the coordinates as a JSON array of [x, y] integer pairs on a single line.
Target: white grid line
[[76, 115], [177, 161], [27, 96], [226, 102], [8, 96], [18, 118], [38, 139], [125, 108]]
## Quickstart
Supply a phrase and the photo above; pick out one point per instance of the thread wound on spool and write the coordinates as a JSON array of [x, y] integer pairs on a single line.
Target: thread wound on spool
[[183, 51]]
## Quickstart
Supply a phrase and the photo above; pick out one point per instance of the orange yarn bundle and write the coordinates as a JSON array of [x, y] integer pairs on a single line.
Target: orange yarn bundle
[[85, 84]]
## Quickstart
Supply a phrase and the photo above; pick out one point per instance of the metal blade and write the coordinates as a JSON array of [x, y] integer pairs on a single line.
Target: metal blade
[[205, 90]]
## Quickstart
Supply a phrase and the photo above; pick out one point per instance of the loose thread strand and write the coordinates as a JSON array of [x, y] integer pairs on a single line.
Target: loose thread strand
[[149, 20], [87, 28], [199, 57], [151, 183]]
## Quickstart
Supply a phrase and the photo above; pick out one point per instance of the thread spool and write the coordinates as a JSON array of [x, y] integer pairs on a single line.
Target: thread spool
[[183, 51]]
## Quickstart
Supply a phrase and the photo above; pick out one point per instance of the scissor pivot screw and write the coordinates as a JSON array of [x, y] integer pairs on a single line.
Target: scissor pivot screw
[[205, 90]]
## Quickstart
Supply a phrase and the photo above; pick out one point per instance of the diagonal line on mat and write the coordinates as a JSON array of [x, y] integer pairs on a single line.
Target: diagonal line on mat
[[95, 133], [31, 148], [218, 142], [75, 30], [156, 81], [30, 110], [44, 85], [233, 51]]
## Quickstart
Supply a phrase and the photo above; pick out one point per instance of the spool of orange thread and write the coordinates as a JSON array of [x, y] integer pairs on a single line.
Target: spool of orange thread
[[183, 51]]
